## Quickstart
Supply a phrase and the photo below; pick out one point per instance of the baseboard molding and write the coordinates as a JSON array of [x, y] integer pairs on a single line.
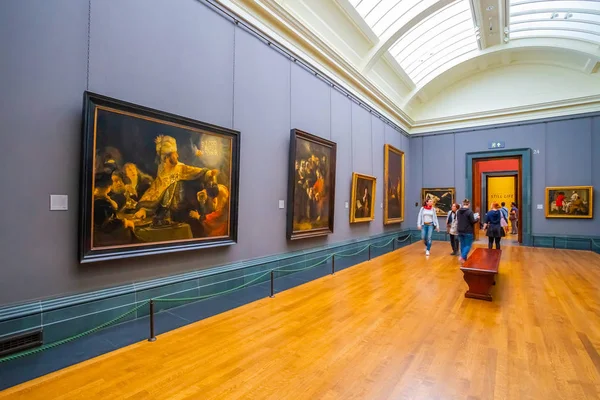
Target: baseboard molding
[[569, 242], [66, 316]]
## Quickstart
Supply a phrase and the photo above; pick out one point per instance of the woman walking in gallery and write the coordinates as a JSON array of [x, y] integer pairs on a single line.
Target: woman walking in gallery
[[452, 228], [493, 226], [426, 222], [514, 218]]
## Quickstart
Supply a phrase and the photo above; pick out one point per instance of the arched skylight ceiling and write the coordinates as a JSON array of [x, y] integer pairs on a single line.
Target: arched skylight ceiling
[[577, 20], [428, 37], [428, 42], [441, 40]]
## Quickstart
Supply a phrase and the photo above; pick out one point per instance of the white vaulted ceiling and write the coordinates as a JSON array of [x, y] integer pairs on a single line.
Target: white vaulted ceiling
[[440, 64]]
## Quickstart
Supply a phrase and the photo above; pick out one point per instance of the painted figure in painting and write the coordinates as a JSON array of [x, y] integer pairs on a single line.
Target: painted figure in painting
[[569, 202], [312, 190], [362, 198], [442, 199], [363, 201], [175, 200]]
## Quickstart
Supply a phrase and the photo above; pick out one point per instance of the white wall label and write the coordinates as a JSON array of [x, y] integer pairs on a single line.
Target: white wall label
[[540, 206], [346, 204], [59, 202], [536, 151], [281, 204], [381, 205]]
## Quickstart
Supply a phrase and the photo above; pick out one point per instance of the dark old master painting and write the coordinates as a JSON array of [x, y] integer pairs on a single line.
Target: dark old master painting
[[393, 211], [154, 182], [311, 187]]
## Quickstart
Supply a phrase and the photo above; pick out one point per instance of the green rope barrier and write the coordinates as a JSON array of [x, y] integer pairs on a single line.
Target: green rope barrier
[[71, 338], [184, 299], [352, 254], [304, 269], [159, 300], [383, 245]]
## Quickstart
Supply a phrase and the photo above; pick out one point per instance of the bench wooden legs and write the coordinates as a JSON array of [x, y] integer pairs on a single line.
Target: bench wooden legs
[[480, 284]]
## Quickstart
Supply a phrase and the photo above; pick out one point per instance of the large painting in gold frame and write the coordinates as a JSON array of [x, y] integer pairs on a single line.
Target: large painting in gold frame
[[393, 180], [363, 198], [154, 182], [569, 202]]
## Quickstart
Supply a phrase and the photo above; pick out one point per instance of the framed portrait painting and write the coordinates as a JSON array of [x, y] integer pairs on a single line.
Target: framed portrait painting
[[442, 199], [569, 202], [363, 198], [311, 186], [393, 181], [154, 182]]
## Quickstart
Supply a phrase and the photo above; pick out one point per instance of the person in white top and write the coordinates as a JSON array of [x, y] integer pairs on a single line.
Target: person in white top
[[427, 221]]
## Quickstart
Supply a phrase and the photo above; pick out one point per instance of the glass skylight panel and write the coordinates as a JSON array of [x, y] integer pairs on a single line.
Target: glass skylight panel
[[553, 33], [385, 17], [446, 62], [439, 39], [579, 20]]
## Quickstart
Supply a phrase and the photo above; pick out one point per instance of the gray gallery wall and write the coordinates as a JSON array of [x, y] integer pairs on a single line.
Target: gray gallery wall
[[569, 154], [181, 57]]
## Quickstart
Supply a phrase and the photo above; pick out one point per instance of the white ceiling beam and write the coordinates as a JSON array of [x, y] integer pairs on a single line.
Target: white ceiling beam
[[589, 66], [385, 43], [477, 16]]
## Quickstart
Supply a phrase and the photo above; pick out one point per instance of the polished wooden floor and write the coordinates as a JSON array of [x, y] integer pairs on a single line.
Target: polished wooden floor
[[397, 327]]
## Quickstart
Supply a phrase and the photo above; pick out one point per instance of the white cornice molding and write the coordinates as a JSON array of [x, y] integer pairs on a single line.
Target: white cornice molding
[[549, 109]]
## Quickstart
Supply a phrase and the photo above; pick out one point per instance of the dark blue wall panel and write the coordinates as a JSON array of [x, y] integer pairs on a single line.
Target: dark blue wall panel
[[311, 103], [341, 133], [361, 141], [568, 152], [596, 172], [43, 63], [438, 161], [150, 52], [378, 140], [414, 181], [262, 99]]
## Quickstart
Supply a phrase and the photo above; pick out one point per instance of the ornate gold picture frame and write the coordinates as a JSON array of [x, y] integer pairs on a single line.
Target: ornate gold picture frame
[[362, 206], [393, 180], [569, 202]]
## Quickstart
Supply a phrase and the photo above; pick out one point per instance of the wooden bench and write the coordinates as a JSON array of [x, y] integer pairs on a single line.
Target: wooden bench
[[480, 271]]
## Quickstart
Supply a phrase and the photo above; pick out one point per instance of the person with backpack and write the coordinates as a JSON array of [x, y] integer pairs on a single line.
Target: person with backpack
[[452, 228], [466, 219], [494, 230], [504, 221]]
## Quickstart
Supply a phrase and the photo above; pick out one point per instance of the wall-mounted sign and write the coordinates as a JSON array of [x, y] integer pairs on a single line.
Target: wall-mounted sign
[[498, 144]]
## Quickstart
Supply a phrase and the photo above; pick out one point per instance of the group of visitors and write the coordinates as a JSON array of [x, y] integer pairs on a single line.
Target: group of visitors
[[460, 224]]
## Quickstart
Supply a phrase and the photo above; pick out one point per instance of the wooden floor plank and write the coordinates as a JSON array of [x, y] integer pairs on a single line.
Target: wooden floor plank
[[397, 327]]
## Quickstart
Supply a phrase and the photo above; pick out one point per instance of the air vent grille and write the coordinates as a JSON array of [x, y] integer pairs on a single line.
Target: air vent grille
[[20, 342]]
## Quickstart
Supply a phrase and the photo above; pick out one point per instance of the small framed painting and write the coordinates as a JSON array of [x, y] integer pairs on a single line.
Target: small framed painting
[[442, 199], [363, 198], [569, 202]]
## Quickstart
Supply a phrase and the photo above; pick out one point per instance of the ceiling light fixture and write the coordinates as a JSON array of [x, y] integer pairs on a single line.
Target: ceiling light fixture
[[568, 15]]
